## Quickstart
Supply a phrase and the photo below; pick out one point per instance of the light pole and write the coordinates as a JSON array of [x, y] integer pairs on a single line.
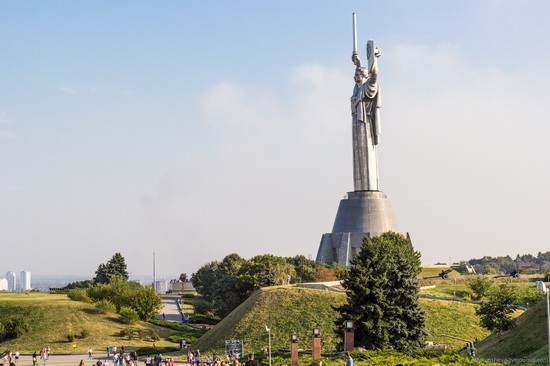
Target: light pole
[[541, 289], [269, 345]]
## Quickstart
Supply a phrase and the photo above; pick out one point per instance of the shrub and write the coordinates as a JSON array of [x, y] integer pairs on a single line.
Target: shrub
[[128, 315], [202, 307], [79, 294], [105, 306], [84, 333], [16, 326], [70, 337]]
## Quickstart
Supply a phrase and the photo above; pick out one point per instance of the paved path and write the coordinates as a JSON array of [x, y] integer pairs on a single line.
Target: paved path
[[170, 309], [69, 360]]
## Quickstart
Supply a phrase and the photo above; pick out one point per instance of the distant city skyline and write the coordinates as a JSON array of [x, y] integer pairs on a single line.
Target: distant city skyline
[[199, 129]]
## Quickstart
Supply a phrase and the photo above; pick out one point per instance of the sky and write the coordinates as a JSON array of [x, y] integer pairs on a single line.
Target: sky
[[196, 129]]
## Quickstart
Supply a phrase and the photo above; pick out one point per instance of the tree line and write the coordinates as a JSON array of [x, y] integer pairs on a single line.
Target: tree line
[[505, 264], [226, 284]]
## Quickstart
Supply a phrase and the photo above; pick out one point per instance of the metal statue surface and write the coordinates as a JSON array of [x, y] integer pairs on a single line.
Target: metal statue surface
[[365, 106]]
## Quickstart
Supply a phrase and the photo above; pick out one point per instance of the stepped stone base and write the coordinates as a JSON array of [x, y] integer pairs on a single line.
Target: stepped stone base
[[360, 214]]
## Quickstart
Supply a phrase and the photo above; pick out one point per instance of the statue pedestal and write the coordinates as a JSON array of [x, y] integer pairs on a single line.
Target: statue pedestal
[[360, 213]]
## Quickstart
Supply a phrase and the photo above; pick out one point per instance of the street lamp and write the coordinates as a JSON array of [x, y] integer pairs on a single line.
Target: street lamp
[[294, 337], [316, 332], [349, 324], [541, 290], [269, 336]]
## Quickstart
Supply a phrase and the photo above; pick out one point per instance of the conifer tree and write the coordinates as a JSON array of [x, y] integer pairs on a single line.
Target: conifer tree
[[382, 292]]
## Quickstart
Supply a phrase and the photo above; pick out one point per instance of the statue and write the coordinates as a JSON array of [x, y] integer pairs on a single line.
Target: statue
[[365, 105]]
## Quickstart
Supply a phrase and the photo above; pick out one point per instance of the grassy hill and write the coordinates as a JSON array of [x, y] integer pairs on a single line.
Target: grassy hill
[[289, 310], [529, 340], [53, 317]]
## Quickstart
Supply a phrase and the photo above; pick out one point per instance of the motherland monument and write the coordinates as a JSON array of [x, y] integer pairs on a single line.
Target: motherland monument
[[366, 211]]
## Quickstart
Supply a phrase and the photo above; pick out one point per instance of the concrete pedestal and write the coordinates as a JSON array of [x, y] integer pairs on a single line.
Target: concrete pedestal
[[360, 214]]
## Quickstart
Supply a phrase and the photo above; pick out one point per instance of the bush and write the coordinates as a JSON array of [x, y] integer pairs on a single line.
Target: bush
[[15, 327], [105, 306], [202, 307], [188, 296], [79, 294], [128, 315], [84, 333], [70, 337]]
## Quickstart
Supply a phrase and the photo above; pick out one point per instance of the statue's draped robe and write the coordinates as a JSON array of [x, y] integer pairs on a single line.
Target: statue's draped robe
[[364, 111]]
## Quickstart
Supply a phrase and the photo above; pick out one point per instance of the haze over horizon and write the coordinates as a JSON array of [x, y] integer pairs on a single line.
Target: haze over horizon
[[199, 129]]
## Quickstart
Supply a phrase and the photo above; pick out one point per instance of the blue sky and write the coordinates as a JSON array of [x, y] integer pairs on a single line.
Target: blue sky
[[198, 129]]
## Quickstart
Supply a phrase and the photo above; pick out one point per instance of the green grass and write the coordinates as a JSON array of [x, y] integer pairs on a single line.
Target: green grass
[[289, 310], [448, 320], [53, 317], [529, 340]]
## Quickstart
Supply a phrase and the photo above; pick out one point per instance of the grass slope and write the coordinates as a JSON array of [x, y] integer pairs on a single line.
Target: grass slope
[[285, 310], [448, 319], [289, 310], [53, 317], [528, 341]]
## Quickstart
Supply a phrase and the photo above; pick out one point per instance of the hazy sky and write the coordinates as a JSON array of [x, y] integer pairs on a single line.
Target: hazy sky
[[198, 129]]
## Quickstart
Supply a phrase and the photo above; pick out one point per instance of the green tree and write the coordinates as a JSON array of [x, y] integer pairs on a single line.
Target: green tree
[[204, 280], [116, 266], [183, 277], [146, 301], [382, 293], [480, 286], [495, 314]]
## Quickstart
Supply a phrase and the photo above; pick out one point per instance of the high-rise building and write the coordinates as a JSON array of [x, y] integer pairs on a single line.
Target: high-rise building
[[12, 281], [25, 280], [3, 284]]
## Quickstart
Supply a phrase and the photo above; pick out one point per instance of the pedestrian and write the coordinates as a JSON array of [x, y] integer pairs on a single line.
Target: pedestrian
[[16, 356], [251, 361], [163, 316], [90, 353], [34, 362], [349, 361], [81, 363], [108, 351]]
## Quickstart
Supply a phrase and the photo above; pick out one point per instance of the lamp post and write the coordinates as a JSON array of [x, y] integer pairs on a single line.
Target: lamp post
[[269, 337], [541, 290], [316, 344], [349, 342], [294, 349]]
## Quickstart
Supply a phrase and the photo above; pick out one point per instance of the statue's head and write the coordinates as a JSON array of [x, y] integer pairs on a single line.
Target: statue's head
[[361, 74]]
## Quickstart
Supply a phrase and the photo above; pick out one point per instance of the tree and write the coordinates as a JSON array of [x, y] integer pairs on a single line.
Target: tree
[[480, 286], [183, 277], [115, 266], [147, 302], [495, 314], [382, 293]]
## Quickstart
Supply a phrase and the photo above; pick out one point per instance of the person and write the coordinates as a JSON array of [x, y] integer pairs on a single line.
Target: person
[[34, 362], [16, 356], [81, 363], [349, 360], [108, 351], [163, 316], [251, 361], [90, 353], [365, 102], [99, 363], [148, 360]]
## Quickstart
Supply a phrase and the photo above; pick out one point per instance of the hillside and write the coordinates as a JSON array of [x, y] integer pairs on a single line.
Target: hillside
[[529, 340], [289, 310], [53, 317]]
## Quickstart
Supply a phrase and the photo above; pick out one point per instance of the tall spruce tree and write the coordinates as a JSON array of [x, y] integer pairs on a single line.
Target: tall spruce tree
[[115, 266], [382, 292]]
